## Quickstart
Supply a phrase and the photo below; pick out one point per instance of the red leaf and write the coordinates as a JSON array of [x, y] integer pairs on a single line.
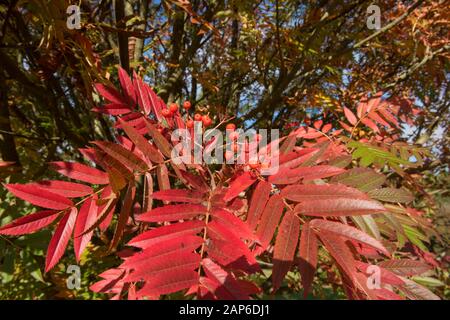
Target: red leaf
[[226, 283], [130, 146], [233, 223], [415, 291], [121, 154], [375, 117], [89, 154], [285, 245], [340, 252], [86, 217], [142, 95], [374, 101], [80, 172], [241, 183], [297, 158], [311, 133], [179, 195], [317, 124], [159, 250], [5, 164], [112, 283], [289, 176], [350, 116], [385, 294], [141, 143], [60, 239], [125, 213], [168, 282], [327, 127], [104, 212], [162, 174], [405, 267], [127, 86], [156, 103], [110, 94], [349, 232], [320, 192], [389, 116], [174, 261], [159, 140], [370, 124], [147, 202], [196, 181], [225, 253], [172, 213], [307, 257], [345, 126], [259, 199], [338, 207], [118, 173], [387, 276], [269, 220], [229, 250], [64, 188], [39, 197], [113, 109], [29, 223], [362, 108], [164, 233]]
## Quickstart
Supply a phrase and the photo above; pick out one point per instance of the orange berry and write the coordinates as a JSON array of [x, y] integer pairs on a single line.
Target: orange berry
[[234, 135], [198, 117], [173, 107], [186, 105], [166, 113], [206, 120], [254, 165], [190, 124], [231, 126]]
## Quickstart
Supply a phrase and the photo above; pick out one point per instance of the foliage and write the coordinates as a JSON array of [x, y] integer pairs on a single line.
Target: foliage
[[371, 102], [182, 228]]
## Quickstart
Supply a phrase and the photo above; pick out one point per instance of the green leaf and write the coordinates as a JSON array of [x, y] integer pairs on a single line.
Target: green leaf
[[370, 154], [363, 179], [391, 195], [428, 281]]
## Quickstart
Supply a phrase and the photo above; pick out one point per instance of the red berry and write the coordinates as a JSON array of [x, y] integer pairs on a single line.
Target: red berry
[[186, 105], [166, 113], [190, 124], [206, 120], [254, 165], [173, 107], [198, 117], [234, 135], [231, 126]]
